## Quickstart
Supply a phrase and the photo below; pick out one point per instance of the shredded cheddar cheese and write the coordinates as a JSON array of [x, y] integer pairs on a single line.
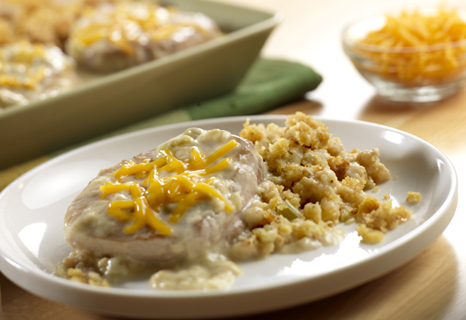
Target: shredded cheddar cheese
[[130, 23], [16, 66], [183, 186], [417, 49]]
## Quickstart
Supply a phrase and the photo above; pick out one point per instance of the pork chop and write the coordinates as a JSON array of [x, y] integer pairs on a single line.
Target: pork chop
[[186, 196]]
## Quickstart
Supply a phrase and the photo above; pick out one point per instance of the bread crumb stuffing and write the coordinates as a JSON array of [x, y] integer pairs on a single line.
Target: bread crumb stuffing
[[322, 182], [413, 197]]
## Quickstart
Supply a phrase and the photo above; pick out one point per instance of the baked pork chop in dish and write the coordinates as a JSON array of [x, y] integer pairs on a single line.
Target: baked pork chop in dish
[[186, 196], [113, 37], [33, 71]]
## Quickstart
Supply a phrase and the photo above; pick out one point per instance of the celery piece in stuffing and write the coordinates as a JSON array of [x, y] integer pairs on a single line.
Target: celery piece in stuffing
[[287, 210]]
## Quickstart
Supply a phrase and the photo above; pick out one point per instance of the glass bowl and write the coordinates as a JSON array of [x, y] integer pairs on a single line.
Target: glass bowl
[[417, 73]]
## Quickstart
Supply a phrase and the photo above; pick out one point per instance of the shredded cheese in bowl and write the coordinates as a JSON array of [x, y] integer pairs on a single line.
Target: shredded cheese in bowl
[[411, 49], [421, 47]]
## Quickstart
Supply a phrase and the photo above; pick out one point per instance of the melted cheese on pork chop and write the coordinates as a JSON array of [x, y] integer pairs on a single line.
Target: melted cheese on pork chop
[[113, 37], [186, 196], [33, 71]]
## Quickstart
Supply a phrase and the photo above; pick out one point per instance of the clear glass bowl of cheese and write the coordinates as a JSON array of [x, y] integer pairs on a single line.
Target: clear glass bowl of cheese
[[410, 54]]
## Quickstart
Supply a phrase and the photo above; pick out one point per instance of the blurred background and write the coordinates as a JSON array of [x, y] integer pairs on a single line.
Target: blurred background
[[432, 285]]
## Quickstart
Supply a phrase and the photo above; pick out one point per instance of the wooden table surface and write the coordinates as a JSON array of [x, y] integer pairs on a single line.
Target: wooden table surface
[[430, 286]]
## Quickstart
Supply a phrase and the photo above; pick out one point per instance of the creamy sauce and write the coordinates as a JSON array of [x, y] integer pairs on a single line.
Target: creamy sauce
[[95, 221], [204, 272], [31, 72], [116, 36], [210, 271]]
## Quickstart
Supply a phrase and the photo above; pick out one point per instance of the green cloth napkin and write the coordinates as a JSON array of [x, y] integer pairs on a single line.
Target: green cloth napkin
[[269, 83]]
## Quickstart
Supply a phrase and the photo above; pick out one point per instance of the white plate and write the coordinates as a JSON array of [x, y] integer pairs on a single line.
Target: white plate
[[32, 210]]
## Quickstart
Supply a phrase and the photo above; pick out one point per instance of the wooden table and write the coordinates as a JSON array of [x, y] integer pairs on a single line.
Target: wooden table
[[433, 284]]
